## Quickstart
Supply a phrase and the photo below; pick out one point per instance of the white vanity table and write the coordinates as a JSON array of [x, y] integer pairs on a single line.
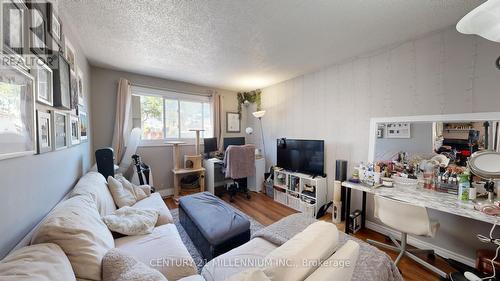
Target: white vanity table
[[439, 201]]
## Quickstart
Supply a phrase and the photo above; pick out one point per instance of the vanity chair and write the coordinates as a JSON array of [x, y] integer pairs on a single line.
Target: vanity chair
[[408, 219]]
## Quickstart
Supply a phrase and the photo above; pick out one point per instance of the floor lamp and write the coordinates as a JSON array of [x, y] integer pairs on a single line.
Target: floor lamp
[[259, 115]]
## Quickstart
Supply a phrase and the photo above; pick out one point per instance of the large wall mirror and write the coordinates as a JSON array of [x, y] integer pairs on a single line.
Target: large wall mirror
[[456, 136]]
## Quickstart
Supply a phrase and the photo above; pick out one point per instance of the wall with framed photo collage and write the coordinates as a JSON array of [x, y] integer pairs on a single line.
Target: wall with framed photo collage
[[44, 89]]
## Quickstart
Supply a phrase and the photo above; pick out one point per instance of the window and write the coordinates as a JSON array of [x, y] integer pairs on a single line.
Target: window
[[170, 115]]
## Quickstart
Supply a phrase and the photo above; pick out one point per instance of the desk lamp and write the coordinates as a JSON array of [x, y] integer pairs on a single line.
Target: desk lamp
[[259, 115]]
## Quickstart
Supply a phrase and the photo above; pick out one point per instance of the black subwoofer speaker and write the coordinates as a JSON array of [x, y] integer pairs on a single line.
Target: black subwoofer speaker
[[341, 175], [105, 162]]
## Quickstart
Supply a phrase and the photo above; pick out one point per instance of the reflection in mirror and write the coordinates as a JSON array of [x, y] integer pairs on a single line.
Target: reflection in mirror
[[431, 153], [458, 141], [411, 138]]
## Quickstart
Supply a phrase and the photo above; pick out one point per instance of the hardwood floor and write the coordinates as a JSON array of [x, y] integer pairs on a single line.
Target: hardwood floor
[[266, 211]]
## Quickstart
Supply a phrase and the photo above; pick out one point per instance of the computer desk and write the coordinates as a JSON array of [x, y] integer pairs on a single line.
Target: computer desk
[[214, 176], [443, 202]]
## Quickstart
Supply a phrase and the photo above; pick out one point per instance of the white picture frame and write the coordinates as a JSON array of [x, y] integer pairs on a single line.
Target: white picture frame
[[56, 27], [73, 89], [398, 130], [44, 132], [70, 55], [60, 129], [17, 113], [233, 122], [84, 126], [73, 129], [43, 83]]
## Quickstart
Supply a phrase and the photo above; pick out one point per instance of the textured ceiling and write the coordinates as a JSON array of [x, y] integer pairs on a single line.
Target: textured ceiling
[[244, 45]]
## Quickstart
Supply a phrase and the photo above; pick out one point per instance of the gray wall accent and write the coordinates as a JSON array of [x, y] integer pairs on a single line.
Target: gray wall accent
[[442, 73], [420, 142], [104, 89], [31, 186]]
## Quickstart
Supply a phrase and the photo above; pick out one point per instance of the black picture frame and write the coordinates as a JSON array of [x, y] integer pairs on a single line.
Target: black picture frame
[[62, 81], [38, 36], [8, 47]]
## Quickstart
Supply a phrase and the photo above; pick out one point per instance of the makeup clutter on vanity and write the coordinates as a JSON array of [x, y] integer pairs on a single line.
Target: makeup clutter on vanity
[[431, 155]]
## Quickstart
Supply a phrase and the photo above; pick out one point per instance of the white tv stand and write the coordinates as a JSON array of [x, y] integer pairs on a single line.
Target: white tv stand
[[289, 190]]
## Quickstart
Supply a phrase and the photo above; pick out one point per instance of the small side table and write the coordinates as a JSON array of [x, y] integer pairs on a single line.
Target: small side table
[[179, 173]]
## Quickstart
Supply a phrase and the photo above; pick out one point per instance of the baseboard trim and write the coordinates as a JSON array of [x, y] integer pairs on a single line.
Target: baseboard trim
[[166, 192], [421, 244]]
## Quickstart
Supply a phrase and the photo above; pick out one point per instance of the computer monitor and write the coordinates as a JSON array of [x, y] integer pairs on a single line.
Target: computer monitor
[[210, 145], [233, 141]]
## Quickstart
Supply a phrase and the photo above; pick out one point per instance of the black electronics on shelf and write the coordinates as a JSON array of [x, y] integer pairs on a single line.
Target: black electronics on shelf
[[341, 175]]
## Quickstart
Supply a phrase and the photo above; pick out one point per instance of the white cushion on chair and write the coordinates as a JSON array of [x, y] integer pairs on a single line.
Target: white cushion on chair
[[404, 217]]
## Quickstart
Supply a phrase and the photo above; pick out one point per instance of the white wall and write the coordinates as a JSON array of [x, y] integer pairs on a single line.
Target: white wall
[[420, 142], [104, 89], [31, 186], [444, 72]]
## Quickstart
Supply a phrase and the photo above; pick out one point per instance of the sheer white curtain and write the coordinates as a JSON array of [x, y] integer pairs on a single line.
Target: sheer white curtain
[[122, 126]]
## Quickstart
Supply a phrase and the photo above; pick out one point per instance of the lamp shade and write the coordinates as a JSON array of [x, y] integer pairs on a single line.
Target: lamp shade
[[259, 114], [249, 130], [483, 21]]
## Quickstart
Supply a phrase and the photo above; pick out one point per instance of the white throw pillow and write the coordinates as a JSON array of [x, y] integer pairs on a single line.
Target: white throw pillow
[[140, 191], [132, 221], [303, 254], [42, 262], [122, 194], [117, 266], [78, 229], [340, 266]]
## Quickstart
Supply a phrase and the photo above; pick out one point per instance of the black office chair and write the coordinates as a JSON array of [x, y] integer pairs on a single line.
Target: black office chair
[[239, 164]]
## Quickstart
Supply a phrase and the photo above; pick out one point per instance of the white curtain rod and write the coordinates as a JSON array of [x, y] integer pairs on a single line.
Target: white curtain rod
[[173, 90]]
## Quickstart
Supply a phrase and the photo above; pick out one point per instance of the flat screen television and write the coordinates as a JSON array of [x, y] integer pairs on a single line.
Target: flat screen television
[[303, 156]]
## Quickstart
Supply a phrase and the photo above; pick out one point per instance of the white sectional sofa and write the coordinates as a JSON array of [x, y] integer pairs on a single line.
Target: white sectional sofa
[[75, 225], [72, 240]]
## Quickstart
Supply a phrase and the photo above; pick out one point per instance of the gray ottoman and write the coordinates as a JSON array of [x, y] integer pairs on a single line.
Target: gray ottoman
[[213, 226]]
